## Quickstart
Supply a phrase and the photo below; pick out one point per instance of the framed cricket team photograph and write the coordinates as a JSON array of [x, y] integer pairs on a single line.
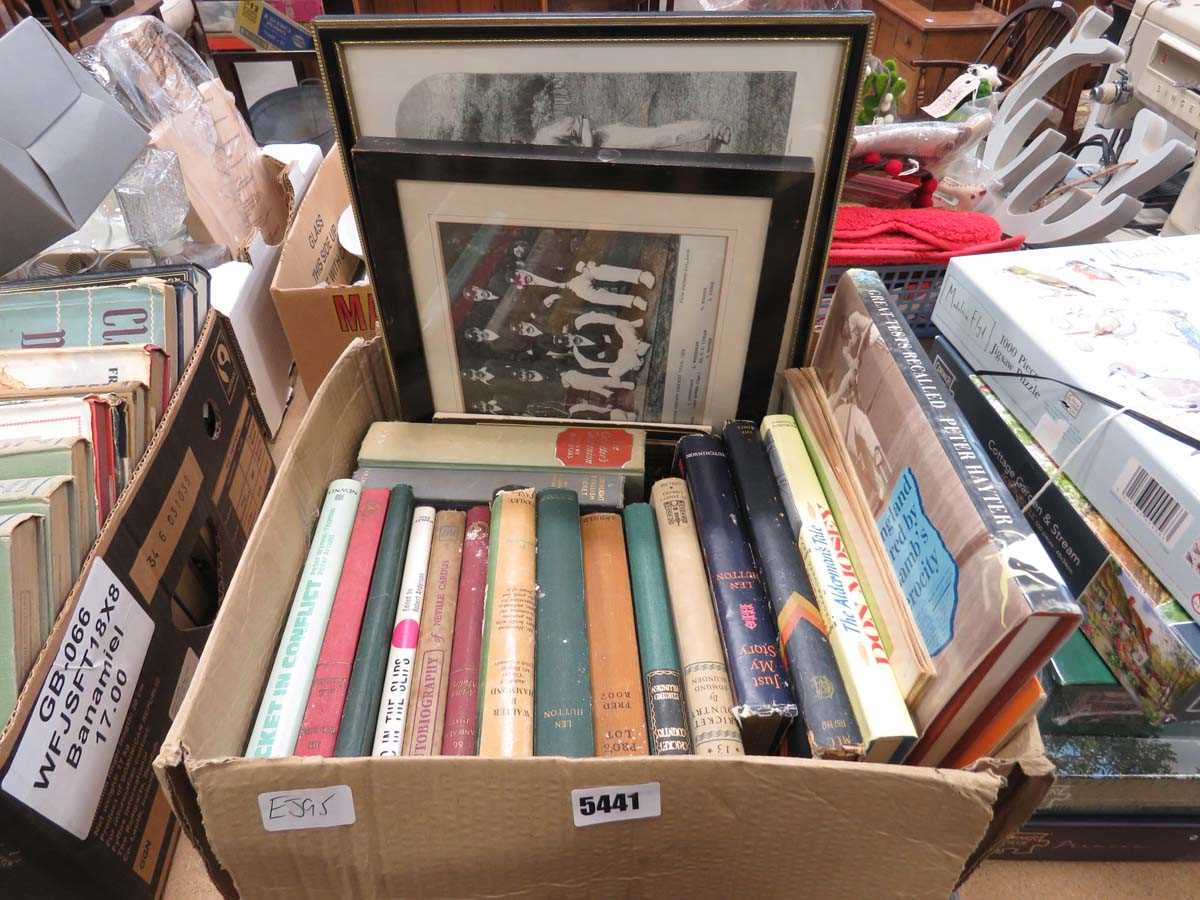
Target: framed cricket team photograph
[[770, 86], [558, 282]]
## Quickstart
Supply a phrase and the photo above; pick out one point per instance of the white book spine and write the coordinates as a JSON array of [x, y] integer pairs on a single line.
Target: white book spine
[[397, 684], [283, 703], [857, 647]]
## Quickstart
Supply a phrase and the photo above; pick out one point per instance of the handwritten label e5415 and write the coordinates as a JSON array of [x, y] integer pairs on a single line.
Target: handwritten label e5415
[[325, 807], [616, 803]]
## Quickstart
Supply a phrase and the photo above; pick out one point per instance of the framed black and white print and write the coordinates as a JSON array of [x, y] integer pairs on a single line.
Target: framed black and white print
[[562, 282], [760, 84]]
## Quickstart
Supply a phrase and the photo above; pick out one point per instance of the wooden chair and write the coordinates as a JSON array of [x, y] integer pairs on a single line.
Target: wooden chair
[[1016, 41], [56, 11]]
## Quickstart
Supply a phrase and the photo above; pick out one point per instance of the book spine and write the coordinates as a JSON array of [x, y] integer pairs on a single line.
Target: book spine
[[706, 686], [423, 727], [357, 728], [506, 669], [765, 705], [282, 707], [618, 712], [883, 718], [84, 317], [563, 696], [828, 716], [596, 490], [1125, 603], [512, 447], [462, 695], [662, 677], [327, 698], [397, 681]]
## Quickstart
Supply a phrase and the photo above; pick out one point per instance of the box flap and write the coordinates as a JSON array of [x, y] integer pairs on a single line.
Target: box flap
[[36, 86], [1028, 775], [453, 827], [311, 254]]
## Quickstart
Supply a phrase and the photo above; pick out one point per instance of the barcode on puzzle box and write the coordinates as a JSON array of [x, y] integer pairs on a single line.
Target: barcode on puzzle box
[[1154, 503]]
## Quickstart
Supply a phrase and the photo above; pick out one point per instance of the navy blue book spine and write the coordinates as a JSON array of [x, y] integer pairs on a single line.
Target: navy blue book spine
[[765, 707], [829, 723]]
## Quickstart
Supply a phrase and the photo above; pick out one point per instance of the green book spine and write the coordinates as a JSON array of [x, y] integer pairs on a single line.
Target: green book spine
[[563, 692], [662, 678], [356, 732]]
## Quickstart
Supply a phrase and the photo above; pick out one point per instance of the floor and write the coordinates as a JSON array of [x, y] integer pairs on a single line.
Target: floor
[[993, 881]]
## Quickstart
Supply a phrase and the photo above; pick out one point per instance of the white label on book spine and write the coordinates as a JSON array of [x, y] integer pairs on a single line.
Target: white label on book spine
[[325, 807], [616, 803], [62, 762], [397, 685]]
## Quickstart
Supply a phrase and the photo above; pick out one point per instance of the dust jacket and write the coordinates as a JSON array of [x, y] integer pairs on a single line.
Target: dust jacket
[[988, 601]]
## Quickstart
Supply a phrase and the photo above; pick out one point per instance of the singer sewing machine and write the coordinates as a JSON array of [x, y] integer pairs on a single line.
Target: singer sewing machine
[[1161, 72]]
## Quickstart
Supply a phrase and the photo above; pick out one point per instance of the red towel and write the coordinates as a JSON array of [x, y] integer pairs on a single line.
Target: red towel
[[863, 235]]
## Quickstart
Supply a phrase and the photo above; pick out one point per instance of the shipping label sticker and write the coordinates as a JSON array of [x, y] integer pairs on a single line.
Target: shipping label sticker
[[616, 803], [326, 807], [926, 569], [1154, 504], [61, 764], [959, 90]]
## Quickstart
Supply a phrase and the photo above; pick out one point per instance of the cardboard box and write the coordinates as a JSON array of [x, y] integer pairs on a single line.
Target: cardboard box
[[459, 826], [321, 312], [52, 108], [240, 289], [80, 810]]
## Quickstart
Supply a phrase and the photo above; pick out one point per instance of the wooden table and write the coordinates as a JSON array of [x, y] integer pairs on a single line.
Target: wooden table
[[905, 30]]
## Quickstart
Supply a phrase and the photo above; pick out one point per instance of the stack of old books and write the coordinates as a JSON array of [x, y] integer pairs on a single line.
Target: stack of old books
[[1091, 412], [87, 364], [849, 580]]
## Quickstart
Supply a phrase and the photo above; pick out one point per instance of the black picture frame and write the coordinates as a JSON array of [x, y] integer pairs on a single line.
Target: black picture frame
[[379, 163], [334, 36]]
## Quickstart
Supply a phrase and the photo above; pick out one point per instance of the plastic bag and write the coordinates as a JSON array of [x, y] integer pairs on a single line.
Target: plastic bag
[[157, 71], [929, 143], [154, 200], [189, 113]]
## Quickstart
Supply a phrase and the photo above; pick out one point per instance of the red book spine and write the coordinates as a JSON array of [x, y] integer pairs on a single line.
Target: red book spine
[[462, 695], [327, 697]]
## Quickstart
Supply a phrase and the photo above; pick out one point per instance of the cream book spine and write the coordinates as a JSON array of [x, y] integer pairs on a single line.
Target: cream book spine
[[578, 446], [57, 456], [21, 589], [75, 366], [52, 498], [397, 680], [281, 710], [510, 610], [883, 717], [706, 684]]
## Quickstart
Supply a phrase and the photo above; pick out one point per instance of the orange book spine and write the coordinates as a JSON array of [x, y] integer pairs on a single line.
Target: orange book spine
[[618, 711], [1020, 708]]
